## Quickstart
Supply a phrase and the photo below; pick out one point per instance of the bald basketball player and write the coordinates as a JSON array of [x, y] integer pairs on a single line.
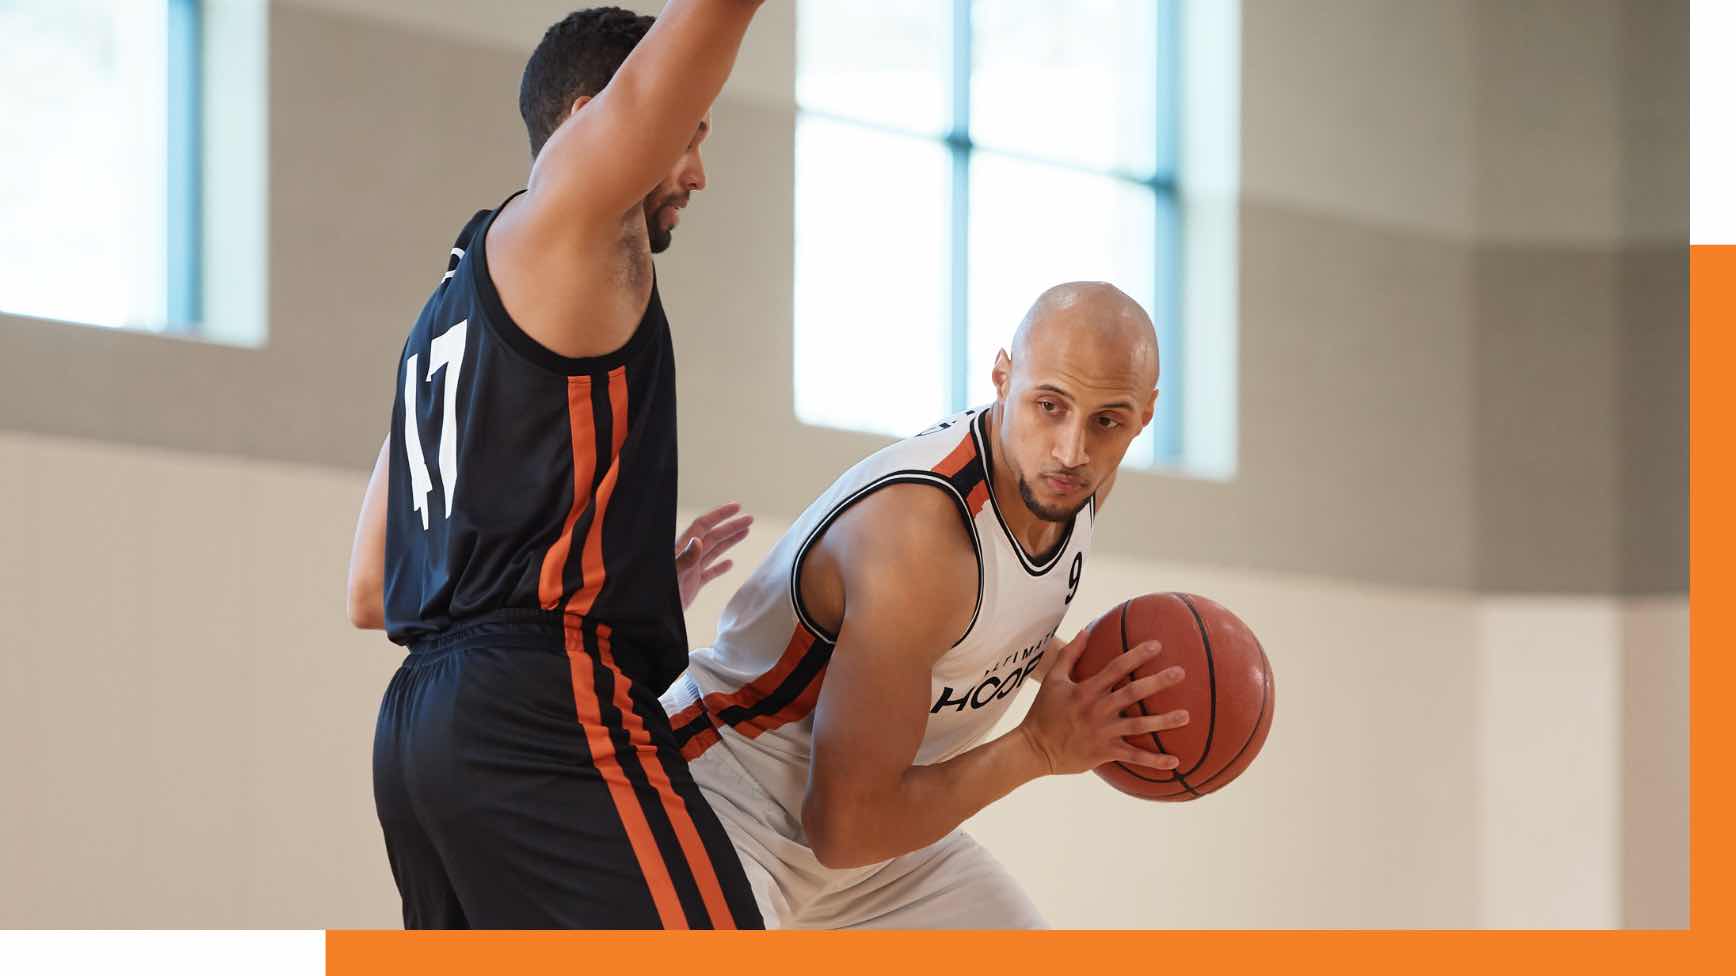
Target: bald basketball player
[[515, 535], [837, 724]]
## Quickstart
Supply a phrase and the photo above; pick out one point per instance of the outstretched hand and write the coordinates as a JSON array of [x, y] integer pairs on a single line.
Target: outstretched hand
[[699, 550]]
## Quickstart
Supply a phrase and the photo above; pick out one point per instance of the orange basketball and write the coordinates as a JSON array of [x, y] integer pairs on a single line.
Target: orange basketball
[[1227, 692]]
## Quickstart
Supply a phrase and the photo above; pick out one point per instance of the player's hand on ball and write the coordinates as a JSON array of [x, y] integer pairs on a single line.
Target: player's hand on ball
[[1079, 725]]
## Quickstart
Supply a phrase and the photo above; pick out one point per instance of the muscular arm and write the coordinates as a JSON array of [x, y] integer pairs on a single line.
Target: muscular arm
[[368, 552], [550, 251], [908, 584]]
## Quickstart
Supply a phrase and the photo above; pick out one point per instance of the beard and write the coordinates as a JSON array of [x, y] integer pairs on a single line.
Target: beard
[[660, 236], [1048, 513]]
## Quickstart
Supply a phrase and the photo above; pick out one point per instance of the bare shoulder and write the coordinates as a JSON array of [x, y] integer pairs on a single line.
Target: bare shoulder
[[904, 554]]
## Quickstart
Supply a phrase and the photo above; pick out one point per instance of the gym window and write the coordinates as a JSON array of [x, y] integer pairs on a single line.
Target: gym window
[[100, 180], [955, 159]]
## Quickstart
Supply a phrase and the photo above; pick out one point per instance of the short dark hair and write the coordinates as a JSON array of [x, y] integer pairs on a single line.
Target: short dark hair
[[577, 56]]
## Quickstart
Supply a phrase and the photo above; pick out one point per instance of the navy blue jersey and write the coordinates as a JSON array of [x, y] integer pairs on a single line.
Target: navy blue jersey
[[528, 482]]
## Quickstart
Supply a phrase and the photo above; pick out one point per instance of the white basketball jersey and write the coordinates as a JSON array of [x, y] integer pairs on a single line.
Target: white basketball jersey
[[753, 692]]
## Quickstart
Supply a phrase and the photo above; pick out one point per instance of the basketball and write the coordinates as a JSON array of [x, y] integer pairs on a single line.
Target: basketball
[[1228, 692]]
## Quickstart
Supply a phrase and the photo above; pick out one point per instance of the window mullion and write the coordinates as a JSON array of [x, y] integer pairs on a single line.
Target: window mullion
[[1168, 438], [959, 147], [185, 167]]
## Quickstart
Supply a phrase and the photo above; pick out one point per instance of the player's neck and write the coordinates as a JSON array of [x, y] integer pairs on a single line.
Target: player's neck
[[1035, 535]]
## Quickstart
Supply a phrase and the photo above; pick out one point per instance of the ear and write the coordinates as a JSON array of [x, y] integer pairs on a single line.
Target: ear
[[1150, 408], [578, 103], [1003, 374]]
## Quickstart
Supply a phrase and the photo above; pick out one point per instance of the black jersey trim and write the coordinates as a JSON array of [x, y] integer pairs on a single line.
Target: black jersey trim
[[1033, 567], [519, 341], [912, 476]]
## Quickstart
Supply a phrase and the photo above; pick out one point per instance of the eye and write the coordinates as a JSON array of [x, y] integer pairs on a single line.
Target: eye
[[1049, 406], [1108, 423]]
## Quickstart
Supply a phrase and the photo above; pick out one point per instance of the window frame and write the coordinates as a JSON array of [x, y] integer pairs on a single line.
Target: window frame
[[1163, 183], [185, 144]]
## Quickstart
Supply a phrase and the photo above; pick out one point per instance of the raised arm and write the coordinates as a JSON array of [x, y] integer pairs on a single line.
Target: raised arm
[[571, 267], [367, 607], [607, 156], [908, 577]]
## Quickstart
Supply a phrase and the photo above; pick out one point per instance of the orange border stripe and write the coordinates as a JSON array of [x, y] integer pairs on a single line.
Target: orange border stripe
[[608, 765], [954, 463], [794, 711], [594, 569], [698, 858], [584, 431], [978, 497], [756, 690], [752, 694], [702, 740]]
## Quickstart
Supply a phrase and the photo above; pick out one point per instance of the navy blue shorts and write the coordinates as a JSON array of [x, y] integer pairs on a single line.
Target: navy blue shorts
[[524, 782]]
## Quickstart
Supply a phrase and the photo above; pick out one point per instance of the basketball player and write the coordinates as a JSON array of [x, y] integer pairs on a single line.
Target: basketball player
[[516, 531], [835, 724]]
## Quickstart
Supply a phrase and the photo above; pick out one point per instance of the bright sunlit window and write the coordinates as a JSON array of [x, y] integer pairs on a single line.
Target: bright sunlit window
[[953, 159], [100, 162]]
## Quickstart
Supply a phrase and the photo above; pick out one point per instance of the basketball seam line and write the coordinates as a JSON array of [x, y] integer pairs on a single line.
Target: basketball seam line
[[1175, 776], [1265, 700], [1211, 676]]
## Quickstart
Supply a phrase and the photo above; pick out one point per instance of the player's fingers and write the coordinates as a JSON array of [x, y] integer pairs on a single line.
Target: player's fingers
[[1147, 724], [716, 515], [713, 572], [1124, 664], [729, 533], [1142, 688], [688, 555], [1069, 656], [1144, 757]]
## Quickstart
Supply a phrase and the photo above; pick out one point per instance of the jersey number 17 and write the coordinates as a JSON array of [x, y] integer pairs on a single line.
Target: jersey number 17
[[447, 349]]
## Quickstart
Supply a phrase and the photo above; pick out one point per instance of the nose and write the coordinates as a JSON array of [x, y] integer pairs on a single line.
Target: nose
[[694, 179], [1070, 446]]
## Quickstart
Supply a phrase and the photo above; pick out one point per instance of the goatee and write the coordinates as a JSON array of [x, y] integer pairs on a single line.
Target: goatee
[[1046, 512]]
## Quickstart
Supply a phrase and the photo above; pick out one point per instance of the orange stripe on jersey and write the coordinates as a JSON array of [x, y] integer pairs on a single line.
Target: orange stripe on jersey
[[961, 455], [977, 498], [593, 567], [750, 696], [608, 765], [698, 858], [696, 746], [793, 712], [756, 691], [583, 423], [686, 715]]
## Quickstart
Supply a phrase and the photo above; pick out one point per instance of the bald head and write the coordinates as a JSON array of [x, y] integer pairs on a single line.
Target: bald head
[[1077, 387], [1094, 320]]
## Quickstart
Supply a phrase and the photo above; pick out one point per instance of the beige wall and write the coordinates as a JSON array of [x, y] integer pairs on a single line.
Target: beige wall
[[1380, 376], [1461, 397], [188, 716]]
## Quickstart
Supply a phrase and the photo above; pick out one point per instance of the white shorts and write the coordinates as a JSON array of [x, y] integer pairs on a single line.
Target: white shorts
[[953, 883]]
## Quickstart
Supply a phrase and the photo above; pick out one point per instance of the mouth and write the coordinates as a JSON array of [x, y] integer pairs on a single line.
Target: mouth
[[672, 212], [1062, 484]]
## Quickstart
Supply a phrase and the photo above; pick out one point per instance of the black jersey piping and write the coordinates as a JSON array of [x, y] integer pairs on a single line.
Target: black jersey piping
[[519, 341], [912, 476], [1032, 567]]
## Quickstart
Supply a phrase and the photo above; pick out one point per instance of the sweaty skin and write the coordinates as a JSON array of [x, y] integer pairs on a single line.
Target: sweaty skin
[[895, 577]]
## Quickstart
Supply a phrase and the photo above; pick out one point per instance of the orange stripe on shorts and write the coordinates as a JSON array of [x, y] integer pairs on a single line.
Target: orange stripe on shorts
[[698, 858], [608, 765]]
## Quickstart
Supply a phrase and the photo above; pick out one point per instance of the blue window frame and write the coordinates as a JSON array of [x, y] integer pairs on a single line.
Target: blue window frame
[[103, 179], [955, 159]]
